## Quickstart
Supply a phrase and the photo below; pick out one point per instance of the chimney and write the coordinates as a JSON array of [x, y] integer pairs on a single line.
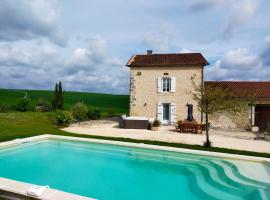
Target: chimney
[[149, 52]]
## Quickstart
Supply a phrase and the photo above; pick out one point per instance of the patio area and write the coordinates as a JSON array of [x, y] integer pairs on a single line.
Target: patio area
[[220, 138]]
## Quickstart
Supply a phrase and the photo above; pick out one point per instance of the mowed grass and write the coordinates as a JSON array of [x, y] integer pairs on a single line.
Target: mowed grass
[[19, 125], [105, 102]]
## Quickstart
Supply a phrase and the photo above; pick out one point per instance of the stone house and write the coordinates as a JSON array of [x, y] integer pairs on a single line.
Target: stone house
[[159, 85]]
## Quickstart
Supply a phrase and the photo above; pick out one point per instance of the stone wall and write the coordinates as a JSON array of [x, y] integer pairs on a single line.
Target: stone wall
[[238, 121], [144, 96]]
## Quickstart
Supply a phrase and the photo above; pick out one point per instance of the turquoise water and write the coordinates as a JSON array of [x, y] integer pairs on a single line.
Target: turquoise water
[[113, 172]]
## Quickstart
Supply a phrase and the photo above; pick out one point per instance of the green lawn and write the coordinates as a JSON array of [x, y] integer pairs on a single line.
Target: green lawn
[[120, 103], [20, 125]]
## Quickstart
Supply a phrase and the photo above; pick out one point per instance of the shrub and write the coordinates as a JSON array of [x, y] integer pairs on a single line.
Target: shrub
[[43, 105], [156, 123], [94, 113], [63, 118], [111, 112], [4, 108], [79, 111], [23, 104]]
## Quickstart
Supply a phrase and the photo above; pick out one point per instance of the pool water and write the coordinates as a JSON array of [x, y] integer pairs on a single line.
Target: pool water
[[113, 172]]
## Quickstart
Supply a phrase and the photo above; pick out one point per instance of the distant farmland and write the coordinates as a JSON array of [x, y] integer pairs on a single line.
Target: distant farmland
[[105, 102]]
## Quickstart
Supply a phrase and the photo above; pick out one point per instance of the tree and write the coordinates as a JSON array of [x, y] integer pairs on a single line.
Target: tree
[[23, 103], [61, 96], [216, 98], [58, 100]]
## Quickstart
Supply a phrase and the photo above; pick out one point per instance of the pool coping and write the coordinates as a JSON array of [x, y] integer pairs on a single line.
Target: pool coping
[[20, 188], [138, 145]]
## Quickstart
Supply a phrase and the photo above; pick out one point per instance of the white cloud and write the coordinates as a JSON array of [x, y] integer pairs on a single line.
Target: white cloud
[[26, 20], [238, 64], [241, 12], [267, 39], [185, 50], [160, 40], [89, 68]]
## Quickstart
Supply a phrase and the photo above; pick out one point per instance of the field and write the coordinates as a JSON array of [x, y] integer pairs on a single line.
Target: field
[[105, 102]]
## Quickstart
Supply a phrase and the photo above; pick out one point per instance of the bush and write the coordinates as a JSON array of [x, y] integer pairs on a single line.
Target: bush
[[43, 105], [94, 113], [64, 118], [79, 111], [23, 104], [111, 112], [156, 123], [4, 108]]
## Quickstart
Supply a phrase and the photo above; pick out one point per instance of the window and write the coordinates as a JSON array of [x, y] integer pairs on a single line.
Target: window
[[166, 84]]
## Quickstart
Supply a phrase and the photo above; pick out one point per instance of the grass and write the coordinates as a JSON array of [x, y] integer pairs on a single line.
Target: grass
[[21, 125], [106, 102]]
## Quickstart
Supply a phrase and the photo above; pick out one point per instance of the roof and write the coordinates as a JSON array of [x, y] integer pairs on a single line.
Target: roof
[[180, 59], [260, 90]]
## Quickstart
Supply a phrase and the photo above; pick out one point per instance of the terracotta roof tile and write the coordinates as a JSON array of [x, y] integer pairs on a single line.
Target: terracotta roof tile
[[181, 59], [260, 90]]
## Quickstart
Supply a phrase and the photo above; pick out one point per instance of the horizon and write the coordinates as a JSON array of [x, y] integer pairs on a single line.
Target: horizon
[[43, 42]]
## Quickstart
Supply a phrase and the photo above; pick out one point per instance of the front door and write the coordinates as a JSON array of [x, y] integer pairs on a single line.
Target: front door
[[262, 117], [166, 113]]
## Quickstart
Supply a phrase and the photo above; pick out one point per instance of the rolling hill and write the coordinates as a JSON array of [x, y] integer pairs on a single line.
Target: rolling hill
[[105, 102]]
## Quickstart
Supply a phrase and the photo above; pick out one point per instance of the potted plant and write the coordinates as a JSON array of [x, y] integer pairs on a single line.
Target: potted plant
[[156, 123]]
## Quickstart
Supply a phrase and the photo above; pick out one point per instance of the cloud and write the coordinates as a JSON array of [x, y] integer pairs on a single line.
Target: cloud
[[239, 64], [26, 20], [86, 69], [241, 13], [200, 5], [266, 52], [185, 50], [160, 40]]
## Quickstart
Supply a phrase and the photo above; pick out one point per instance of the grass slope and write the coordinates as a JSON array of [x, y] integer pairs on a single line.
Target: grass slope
[[103, 101], [20, 125]]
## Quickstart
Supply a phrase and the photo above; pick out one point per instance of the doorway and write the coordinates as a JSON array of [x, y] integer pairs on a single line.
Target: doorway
[[166, 113]]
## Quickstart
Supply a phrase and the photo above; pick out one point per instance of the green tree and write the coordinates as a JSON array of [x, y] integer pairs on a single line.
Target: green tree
[[215, 99], [23, 103], [58, 99], [79, 111]]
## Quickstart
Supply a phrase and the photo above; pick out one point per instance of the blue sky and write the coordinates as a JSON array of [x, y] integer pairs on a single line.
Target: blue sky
[[86, 43]]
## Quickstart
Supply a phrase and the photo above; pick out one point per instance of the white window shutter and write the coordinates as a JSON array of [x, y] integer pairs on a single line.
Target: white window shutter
[[173, 113], [160, 112], [173, 84], [159, 84]]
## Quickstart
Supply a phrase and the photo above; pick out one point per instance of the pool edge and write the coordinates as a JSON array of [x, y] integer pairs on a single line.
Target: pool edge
[[137, 145]]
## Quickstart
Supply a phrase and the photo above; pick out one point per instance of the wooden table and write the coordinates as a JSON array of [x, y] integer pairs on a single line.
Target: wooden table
[[187, 127]]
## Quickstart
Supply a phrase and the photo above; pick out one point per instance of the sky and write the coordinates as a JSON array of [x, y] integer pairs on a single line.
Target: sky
[[87, 43]]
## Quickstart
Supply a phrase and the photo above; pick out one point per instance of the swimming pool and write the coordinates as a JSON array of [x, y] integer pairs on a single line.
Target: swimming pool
[[106, 171]]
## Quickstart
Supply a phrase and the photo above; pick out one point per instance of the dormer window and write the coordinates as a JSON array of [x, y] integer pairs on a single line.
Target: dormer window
[[166, 84]]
